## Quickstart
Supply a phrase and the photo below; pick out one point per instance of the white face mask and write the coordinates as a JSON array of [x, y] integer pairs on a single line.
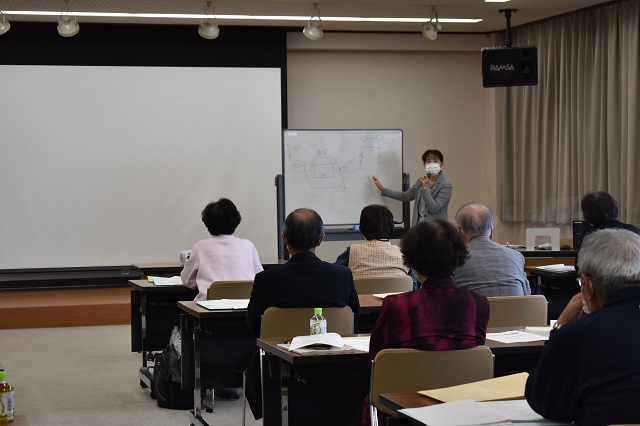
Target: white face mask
[[432, 169]]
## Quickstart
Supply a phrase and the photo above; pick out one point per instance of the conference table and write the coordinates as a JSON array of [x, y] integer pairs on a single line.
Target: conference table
[[557, 285], [154, 313], [205, 332], [322, 379], [214, 338]]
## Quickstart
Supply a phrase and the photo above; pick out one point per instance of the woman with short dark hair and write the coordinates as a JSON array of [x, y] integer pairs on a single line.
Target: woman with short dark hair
[[431, 192], [376, 257], [222, 257]]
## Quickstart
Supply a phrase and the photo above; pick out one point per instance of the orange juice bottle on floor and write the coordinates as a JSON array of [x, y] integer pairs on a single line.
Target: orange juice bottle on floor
[[6, 399]]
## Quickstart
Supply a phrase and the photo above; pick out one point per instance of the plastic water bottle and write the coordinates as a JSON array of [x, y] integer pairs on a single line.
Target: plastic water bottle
[[6, 399], [317, 324]]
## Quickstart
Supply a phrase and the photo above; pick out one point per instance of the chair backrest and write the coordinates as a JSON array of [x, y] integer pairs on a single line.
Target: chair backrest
[[508, 311], [413, 370], [230, 290], [371, 285], [291, 322], [532, 233]]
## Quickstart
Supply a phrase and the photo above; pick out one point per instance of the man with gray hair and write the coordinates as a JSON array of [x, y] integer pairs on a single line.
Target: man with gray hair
[[589, 371], [490, 269]]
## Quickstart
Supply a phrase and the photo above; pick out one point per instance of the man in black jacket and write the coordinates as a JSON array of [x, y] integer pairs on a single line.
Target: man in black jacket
[[589, 371], [304, 281]]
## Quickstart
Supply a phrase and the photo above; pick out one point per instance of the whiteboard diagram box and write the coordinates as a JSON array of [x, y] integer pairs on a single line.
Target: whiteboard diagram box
[[331, 171], [340, 201]]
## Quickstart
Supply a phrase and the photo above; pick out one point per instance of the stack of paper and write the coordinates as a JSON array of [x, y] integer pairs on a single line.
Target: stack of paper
[[326, 343], [224, 304], [558, 267], [360, 343], [175, 280], [468, 412], [318, 343], [500, 388], [515, 336], [543, 331], [383, 295]]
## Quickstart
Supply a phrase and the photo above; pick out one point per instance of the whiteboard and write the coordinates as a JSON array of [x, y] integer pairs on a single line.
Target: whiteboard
[[330, 171]]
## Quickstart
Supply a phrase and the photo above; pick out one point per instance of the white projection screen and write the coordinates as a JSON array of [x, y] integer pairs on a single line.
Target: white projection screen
[[104, 166]]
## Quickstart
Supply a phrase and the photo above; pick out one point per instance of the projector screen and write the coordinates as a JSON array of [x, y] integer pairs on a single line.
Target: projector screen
[[106, 166]]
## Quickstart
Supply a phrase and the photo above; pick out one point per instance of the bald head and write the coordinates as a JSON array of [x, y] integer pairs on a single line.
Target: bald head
[[474, 219], [303, 229]]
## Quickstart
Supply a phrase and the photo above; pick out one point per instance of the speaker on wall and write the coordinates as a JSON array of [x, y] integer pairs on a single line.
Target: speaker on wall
[[509, 66]]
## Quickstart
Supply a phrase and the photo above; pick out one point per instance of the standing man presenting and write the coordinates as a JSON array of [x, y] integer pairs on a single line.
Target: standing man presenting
[[589, 371], [490, 269], [431, 192]]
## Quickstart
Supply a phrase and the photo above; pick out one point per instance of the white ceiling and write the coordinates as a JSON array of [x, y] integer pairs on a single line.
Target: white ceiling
[[492, 19]]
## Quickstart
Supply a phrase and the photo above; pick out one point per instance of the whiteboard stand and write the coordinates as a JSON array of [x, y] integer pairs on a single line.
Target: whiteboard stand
[[342, 234]]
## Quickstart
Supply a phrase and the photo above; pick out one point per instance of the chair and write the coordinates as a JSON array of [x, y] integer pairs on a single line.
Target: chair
[[413, 370], [509, 311], [552, 233], [372, 285], [291, 322], [230, 290]]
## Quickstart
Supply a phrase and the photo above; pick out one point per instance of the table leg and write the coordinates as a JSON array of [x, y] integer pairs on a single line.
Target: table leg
[[285, 375], [190, 328]]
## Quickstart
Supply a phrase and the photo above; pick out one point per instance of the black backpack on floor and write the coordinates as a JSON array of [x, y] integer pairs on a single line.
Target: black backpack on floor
[[165, 383]]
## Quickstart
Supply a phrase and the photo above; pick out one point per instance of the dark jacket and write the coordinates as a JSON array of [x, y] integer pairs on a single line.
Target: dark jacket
[[589, 371], [304, 281]]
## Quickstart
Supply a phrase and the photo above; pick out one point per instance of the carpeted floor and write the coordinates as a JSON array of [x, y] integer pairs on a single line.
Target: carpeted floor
[[88, 376]]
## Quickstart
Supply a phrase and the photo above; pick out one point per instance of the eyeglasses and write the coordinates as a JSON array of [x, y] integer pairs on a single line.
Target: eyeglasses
[[580, 281]]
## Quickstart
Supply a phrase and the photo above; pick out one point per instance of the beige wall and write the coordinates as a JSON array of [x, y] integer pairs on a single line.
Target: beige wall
[[431, 90], [435, 97]]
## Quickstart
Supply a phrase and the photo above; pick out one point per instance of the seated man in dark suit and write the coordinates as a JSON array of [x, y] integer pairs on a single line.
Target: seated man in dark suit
[[589, 371], [490, 269], [304, 281]]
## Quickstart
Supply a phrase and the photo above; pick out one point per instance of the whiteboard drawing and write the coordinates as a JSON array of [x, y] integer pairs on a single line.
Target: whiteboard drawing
[[323, 167], [340, 201], [330, 171], [370, 152]]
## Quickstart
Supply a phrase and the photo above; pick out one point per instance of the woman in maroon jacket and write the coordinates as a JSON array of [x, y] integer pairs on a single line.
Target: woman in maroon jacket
[[439, 315]]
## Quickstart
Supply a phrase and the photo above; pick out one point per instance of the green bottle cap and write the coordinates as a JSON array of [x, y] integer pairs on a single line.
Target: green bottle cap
[[317, 311], [3, 376]]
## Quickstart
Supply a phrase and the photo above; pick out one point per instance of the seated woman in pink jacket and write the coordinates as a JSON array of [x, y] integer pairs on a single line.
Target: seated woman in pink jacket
[[221, 257]]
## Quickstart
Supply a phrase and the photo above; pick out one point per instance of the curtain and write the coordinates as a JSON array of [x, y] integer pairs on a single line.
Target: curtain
[[578, 130]]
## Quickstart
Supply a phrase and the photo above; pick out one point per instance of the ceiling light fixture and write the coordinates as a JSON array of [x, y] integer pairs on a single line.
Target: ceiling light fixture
[[4, 24], [67, 23], [430, 29], [208, 28], [313, 30]]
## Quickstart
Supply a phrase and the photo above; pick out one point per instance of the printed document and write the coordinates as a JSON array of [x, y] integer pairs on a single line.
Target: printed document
[[224, 304], [515, 336], [175, 280]]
